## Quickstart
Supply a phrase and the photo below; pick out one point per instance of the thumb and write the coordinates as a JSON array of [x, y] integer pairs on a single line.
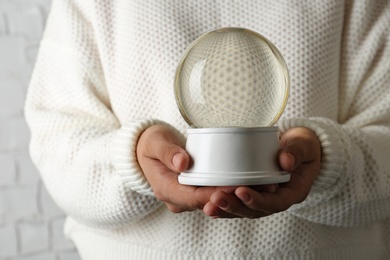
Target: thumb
[[298, 145], [164, 145], [292, 155], [287, 161], [180, 162]]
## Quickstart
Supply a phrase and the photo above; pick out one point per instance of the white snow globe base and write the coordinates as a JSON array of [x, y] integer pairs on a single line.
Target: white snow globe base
[[233, 156]]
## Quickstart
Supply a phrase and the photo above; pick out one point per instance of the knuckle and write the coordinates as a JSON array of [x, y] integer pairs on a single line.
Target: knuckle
[[197, 205], [281, 207], [164, 194], [199, 199], [284, 207], [302, 197], [160, 195], [175, 209]]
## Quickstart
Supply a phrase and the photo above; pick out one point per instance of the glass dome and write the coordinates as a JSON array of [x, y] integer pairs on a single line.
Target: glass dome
[[231, 77]]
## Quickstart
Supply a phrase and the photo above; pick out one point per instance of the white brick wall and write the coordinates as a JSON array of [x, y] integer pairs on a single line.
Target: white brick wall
[[31, 225]]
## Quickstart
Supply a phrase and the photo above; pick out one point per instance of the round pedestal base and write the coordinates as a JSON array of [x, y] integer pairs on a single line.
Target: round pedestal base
[[239, 179], [232, 157]]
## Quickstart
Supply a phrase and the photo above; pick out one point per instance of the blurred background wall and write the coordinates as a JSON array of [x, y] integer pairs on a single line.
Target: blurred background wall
[[31, 225]]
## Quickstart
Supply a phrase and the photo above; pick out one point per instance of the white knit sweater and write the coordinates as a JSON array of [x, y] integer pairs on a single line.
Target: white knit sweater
[[105, 73]]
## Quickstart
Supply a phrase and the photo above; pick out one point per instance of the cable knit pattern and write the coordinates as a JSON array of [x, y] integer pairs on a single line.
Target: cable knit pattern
[[105, 73]]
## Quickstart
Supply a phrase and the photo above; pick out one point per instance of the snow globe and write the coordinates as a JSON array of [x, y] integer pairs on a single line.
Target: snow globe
[[231, 86]]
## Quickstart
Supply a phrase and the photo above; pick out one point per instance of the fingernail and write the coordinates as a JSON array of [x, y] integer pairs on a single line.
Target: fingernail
[[177, 159]]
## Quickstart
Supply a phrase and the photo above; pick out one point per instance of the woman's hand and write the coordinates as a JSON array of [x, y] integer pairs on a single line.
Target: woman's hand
[[161, 156], [300, 154]]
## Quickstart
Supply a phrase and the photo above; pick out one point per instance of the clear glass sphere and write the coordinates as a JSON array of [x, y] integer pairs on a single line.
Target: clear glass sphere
[[231, 77]]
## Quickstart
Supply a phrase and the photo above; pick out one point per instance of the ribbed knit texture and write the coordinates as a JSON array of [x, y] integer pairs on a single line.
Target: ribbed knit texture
[[105, 73]]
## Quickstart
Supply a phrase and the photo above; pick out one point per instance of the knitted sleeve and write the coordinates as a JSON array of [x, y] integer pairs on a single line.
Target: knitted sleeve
[[85, 156], [353, 187]]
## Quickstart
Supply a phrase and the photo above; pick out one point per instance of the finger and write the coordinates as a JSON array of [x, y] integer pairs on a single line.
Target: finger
[[227, 189], [281, 200], [233, 206], [271, 188], [214, 211], [266, 202]]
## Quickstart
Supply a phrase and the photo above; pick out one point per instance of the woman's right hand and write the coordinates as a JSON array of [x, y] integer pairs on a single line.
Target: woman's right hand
[[162, 157]]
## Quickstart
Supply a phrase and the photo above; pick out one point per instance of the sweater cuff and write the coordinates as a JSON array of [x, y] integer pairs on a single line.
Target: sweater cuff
[[124, 155], [334, 160]]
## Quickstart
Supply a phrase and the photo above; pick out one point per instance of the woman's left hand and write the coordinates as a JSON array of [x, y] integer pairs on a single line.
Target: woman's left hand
[[300, 155]]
